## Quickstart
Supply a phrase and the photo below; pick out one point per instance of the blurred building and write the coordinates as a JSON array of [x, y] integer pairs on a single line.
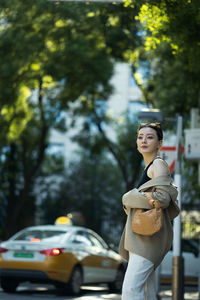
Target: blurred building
[[125, 94]]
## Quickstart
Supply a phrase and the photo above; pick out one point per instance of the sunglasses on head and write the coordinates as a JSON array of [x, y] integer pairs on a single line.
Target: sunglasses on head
[[155, 124]]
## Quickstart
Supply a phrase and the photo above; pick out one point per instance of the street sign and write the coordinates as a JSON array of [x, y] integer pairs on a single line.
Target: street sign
[[192, 143], [153, 115], [168, 153]]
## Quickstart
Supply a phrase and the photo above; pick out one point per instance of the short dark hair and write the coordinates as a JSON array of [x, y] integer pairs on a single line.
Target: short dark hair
[[155, 126]]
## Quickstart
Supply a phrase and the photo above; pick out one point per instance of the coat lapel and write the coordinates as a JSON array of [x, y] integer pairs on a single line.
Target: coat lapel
[[160, 180]]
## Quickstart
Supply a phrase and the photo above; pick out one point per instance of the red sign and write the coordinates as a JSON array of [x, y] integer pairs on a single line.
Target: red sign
[[168, 153]]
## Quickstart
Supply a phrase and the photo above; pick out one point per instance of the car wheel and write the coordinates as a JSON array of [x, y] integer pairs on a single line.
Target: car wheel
[[8, 285], [75, 282], [116, 285]]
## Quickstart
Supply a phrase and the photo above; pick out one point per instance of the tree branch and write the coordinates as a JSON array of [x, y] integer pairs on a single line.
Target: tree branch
[[141, 87], [110, 146], [28, 176]]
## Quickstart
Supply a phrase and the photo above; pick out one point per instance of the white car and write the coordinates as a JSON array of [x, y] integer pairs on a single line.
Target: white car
[[190, 253], [66, 256]]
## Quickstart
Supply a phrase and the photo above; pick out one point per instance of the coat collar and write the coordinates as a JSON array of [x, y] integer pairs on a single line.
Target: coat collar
[[160, 180]]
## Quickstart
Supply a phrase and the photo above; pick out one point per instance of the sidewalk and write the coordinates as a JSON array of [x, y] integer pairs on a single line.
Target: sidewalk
[[191, 293]]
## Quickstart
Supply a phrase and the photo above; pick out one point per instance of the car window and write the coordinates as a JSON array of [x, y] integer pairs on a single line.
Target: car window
[[95, 242], [40, 235], [81, 238]]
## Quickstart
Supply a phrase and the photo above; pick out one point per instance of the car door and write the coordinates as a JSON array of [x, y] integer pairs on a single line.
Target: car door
[[88, 255], [106, 264]]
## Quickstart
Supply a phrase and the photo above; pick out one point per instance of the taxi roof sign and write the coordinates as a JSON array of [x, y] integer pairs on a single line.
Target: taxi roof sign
[[63, 221]]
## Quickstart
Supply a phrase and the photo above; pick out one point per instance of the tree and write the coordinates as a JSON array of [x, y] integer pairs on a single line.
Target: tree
[[95, 183], [92, 186], [94, 136], [62, 55], [170, 31], [59, 44], [21, 161]]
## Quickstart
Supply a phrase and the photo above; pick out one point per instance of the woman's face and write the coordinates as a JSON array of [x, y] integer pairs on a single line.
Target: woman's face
[[147, 141]]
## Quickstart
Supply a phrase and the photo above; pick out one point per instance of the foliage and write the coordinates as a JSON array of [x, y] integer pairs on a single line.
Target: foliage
[[53, 57], [58, 57], [94, 137], [54, 44], [168, 65], [92, 186], [170, 30], [20, 164], [66, 47]]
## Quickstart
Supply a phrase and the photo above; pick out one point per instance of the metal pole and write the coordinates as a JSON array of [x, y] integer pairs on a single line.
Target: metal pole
[[178, 264]]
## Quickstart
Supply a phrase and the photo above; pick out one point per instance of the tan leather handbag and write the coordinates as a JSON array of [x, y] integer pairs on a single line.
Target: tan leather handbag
[[148, 221]]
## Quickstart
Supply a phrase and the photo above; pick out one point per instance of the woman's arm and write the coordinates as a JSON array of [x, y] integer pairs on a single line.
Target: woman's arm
[[162, 198], [159, 167], [135, 199]]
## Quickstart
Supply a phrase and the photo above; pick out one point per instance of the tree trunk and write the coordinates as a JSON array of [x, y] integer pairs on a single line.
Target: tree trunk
[[12, 167], [21, 201]]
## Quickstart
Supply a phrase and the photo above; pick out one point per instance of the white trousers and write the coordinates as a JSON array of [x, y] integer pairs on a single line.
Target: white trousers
[[139, 281]]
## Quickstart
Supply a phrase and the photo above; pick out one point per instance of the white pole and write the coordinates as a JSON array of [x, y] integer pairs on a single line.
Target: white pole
[[178, 264], [177, 220], [177, 181]]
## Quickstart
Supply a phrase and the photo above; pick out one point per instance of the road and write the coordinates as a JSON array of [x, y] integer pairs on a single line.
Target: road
[[41, 292]]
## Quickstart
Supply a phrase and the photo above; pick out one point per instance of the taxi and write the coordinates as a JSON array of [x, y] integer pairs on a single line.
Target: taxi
[[66, 256]]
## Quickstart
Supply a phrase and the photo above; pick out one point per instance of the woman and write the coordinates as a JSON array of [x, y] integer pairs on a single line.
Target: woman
[[145, 253]]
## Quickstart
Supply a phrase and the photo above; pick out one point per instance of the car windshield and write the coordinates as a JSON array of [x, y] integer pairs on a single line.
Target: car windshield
[[37, 235]]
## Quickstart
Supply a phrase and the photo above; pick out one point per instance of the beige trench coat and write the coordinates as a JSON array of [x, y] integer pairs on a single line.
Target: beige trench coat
[[154, 247]]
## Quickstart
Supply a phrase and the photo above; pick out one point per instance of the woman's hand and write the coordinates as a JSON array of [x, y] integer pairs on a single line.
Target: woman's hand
[[126, 207], [154, 203], [149, 196]]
